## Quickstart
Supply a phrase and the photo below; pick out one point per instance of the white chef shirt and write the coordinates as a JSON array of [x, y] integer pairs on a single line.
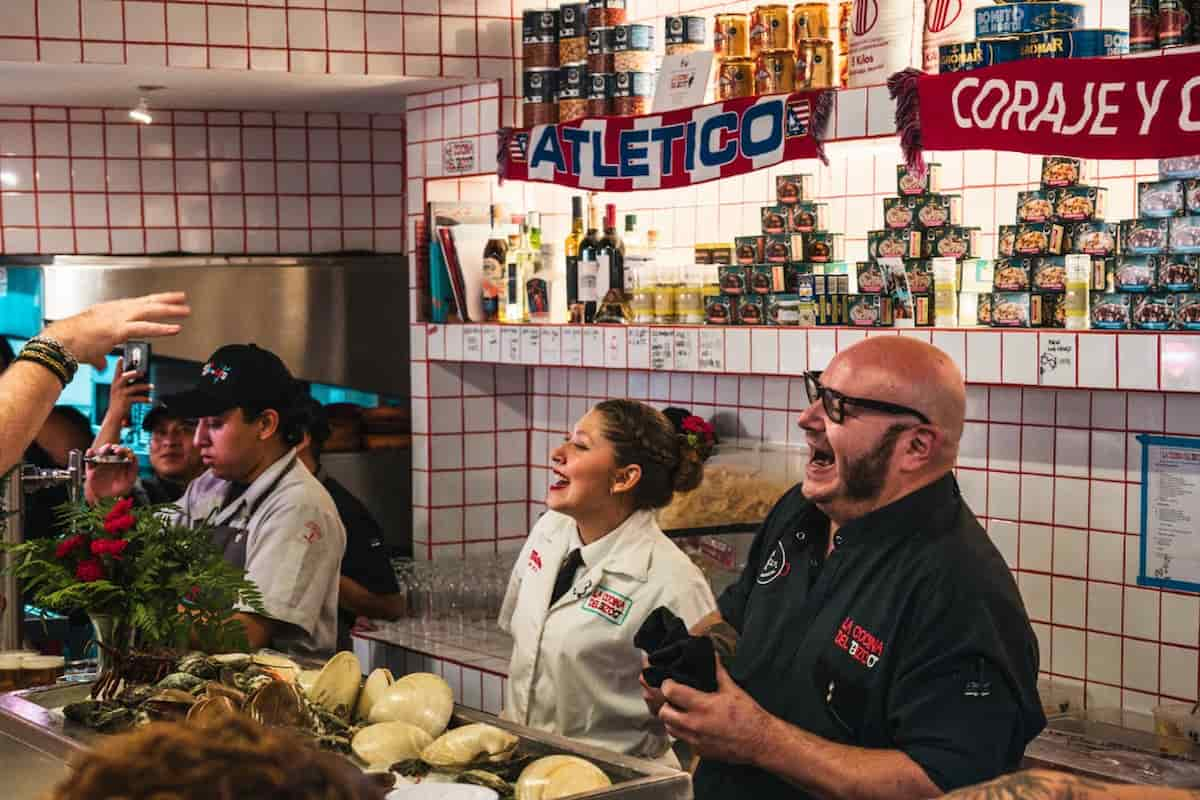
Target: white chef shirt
[[293, 550], [574, 668]]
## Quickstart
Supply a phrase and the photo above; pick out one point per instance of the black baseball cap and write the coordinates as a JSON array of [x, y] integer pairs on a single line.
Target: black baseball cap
[[237, 376], [157, 415]]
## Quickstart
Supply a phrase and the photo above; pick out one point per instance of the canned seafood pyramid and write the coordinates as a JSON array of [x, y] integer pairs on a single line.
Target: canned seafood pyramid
[[1022, 18]]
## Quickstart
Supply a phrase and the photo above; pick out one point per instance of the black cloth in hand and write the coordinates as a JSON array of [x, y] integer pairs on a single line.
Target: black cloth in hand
[[674, 654]]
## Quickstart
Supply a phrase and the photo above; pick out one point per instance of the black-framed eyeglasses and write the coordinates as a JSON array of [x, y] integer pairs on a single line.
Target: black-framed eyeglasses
[[835, 402]]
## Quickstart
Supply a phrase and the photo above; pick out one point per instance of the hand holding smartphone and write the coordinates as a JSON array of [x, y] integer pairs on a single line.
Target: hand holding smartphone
[[137, 359]]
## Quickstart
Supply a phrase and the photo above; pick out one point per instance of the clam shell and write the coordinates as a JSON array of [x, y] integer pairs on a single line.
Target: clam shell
[[559, 776], [336, 688], [281, 667], [385, 743], [306, 679], [374, 687], [278, 705], [422, 698], [235, 661], [211, 712], [214, 689], [469, 744]]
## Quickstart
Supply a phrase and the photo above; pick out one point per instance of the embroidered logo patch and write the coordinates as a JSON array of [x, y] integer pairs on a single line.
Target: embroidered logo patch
[[859, 643], [218, 372], [609, 605], [775, 566], [535, 561], [312, 532]]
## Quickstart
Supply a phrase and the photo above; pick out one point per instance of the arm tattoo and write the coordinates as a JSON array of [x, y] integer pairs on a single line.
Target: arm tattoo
[[1036, 786]]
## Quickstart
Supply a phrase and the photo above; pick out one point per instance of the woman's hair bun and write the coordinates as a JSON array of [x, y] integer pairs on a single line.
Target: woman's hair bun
[[690, 471]]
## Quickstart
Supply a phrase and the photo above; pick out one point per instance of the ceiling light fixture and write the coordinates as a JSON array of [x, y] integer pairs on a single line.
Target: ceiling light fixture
[[141, 112]]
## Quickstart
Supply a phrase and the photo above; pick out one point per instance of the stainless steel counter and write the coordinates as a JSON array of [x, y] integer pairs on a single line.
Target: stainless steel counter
[[36, 745]]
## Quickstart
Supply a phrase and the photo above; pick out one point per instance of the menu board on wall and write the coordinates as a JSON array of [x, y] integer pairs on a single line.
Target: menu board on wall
[[1170, 529]]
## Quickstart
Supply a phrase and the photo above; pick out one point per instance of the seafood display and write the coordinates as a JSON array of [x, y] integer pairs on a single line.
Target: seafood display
[[559, 776]]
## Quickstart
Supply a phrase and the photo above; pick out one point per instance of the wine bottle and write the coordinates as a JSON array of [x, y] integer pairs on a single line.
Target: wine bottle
[[590, 276], [571, 249], [495, 257]]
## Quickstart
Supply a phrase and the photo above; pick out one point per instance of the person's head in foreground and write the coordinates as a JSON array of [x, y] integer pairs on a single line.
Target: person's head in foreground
[[237, 760]]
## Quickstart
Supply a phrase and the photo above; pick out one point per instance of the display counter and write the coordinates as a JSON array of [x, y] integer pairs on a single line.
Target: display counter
[[37, 743]]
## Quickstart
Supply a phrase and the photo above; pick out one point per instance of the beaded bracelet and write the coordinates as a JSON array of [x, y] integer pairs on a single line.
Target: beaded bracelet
[[55, 367], [59, 349]]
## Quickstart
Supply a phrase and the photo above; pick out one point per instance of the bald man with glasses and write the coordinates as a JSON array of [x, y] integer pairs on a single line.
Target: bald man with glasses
[[884, 651]]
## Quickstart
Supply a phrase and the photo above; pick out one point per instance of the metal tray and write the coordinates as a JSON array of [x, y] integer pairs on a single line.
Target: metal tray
[[36, 745]]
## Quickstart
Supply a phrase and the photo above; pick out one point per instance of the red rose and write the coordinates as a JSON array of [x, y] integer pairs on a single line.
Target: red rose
[[119, 524], [89, 570], [193, 593], [68, 545], [110, 547], [122, 507], [693, 424]]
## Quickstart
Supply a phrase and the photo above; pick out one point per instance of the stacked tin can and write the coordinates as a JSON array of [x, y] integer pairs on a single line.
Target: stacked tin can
[[1015, 31], [792, 273], [814, 47], [1163, 23], [1154, 283], [919, 224], [540, 80], [1059, 245]]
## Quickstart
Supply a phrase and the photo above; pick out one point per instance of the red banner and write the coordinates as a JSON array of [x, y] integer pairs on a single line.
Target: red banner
[[1125, 107], [671, 149]]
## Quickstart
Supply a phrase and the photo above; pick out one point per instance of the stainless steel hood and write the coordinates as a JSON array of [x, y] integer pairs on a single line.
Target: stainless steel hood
[[336, 320]]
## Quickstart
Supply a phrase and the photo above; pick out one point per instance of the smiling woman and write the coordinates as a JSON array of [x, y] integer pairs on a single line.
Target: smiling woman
[[592, 570]]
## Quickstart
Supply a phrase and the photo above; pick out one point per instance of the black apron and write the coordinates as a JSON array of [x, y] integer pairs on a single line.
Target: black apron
[[231, 539]]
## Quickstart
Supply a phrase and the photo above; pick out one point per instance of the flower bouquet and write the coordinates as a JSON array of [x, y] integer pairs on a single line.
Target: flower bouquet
[[159, 586]]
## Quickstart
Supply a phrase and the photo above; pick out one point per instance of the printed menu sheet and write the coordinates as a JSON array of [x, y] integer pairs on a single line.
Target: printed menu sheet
[[1170, 534]]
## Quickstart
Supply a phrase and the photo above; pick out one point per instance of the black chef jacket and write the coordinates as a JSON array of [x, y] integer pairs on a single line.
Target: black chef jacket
[[366, 558], [910, 636]]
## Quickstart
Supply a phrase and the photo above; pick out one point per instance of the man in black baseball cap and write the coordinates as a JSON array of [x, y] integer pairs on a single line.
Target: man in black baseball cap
[[270, 515]]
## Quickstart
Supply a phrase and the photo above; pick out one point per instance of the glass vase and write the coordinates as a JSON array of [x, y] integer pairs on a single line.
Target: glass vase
[[111, 632]]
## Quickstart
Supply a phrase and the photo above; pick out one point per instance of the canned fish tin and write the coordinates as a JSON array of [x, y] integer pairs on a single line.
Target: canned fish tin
[[539, 26], [1074, 44], [775, 72], [600, 50], [632, 92], [632, 37], [769, 29], [540, 84], [605, 13], [684, 34], [810, 21], [572, 90], [974, 55], [735, 78], [1020, 18], [1174, 24], [1143, 26], [731, 37], [601, 87], [814, 64], [539, 114], [572, 20]]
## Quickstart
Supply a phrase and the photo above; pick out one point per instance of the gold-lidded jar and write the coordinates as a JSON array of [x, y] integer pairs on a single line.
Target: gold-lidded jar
[[770, 29], [735, 78], [774, 72], [814, 64], [810, 21], [731, 36]]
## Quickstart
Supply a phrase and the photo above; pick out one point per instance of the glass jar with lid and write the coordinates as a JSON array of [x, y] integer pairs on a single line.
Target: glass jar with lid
[[689, 298], [664, 295]]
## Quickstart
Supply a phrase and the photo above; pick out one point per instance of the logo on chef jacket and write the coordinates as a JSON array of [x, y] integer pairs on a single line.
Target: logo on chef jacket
[[859, 643], [608, 605], [312, 532], [535, 561], [776, 565]]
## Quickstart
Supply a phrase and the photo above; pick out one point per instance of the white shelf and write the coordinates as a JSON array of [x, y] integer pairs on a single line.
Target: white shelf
[[1136, 360]]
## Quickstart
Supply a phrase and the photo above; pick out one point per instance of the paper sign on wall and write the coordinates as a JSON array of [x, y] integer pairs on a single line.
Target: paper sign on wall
[[682, 80], [458, 157], [1170, 547]]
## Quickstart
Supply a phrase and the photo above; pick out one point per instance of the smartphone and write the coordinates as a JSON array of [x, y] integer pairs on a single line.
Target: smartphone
[[137, 358]]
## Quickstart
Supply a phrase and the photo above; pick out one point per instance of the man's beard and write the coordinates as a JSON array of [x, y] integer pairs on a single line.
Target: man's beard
[[864, 478]]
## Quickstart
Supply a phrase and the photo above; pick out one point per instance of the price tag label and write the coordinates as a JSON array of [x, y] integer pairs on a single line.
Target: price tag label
[[1056, 361], [593, 347], [572, 347], [662, 349], [712, 351], [491, 344], [639, 348], [472, 343], [685, 350], [615, 350], [510, 346], [531, 348], [550, 346]]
